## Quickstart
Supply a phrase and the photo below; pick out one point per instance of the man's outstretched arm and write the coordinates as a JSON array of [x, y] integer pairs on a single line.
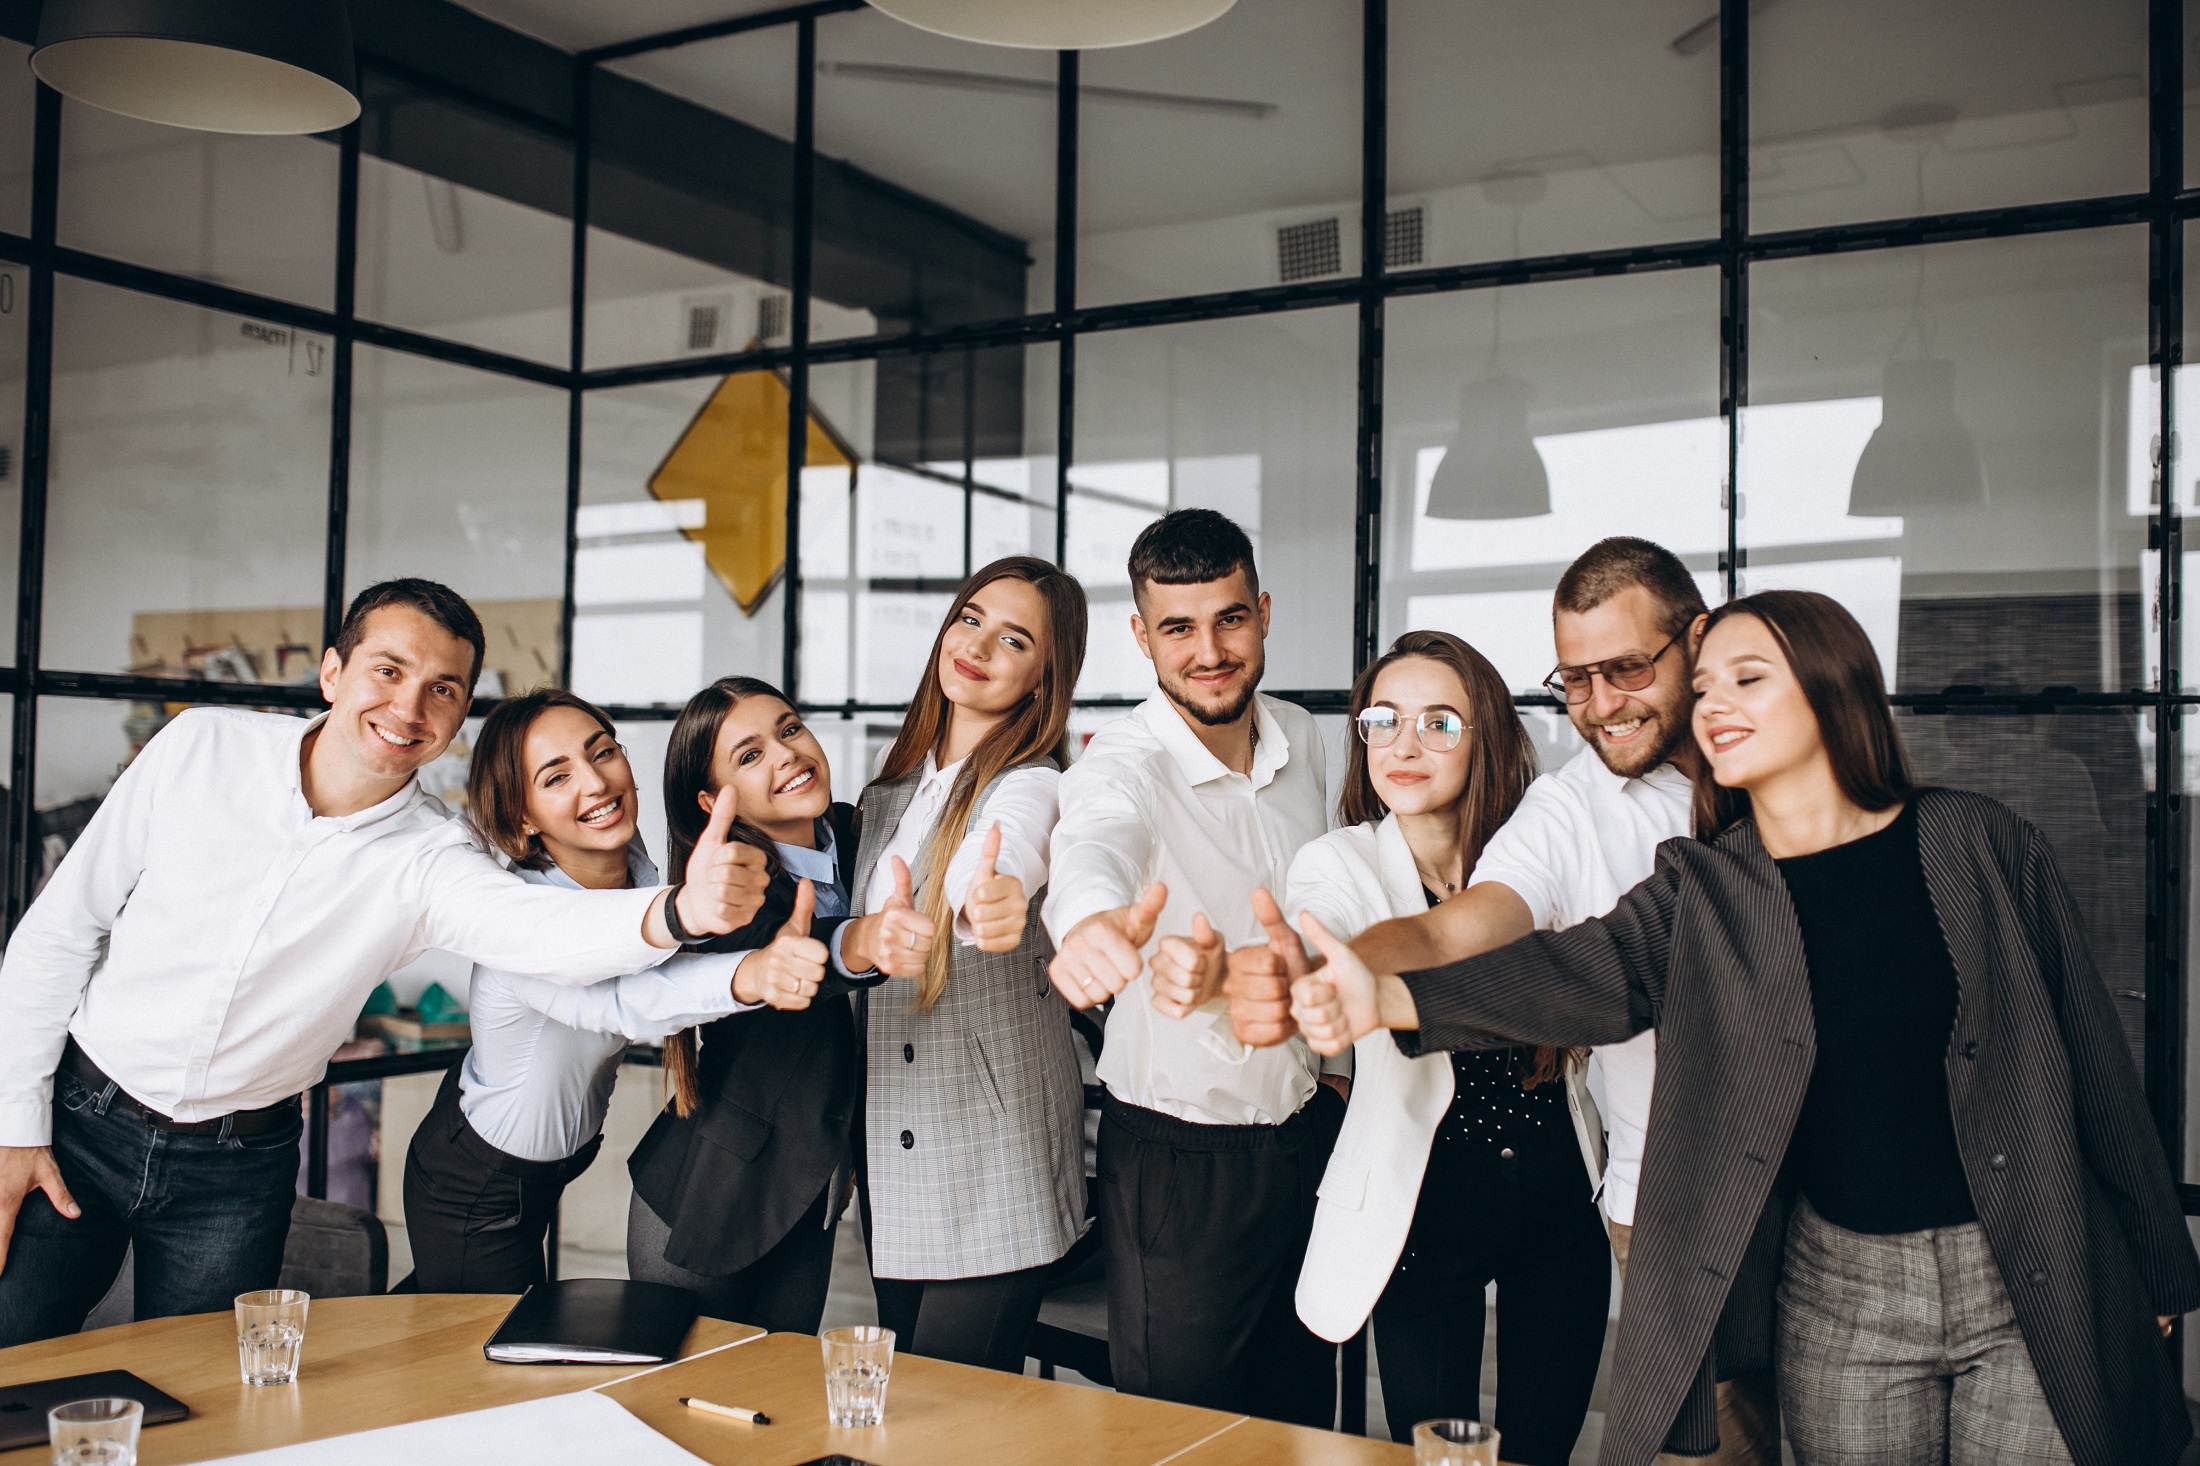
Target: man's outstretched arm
[[1476, 920]]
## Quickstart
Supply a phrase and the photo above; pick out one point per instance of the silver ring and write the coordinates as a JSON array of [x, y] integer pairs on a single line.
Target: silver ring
[[911, 939]]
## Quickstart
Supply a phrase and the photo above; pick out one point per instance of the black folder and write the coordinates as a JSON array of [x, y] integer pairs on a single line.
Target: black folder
[[23, 1407], [594, 1321]]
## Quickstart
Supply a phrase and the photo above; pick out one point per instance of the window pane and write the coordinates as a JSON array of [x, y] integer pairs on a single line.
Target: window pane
[[18, 121], [254, 213], [1253, 417], [678, 571], [1523, 425], [1943, 438], [187, 504], [1222, 159], [465, 224], [14, 321], [459, 476], [1929, 109], [2143, 449], [1521, 130], [937, 439]]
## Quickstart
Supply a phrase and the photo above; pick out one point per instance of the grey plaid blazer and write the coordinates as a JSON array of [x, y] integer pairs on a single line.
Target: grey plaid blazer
[[974, 1114], [2072, 1187]]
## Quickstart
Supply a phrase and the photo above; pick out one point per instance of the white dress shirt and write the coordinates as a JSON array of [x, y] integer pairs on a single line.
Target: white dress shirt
[[1147, 802], [538, 1078], [1022, 805], [209, 940], [1581, 839]]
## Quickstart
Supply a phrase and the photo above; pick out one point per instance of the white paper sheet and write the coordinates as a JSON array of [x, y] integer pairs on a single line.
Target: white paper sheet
[[580, 1429]]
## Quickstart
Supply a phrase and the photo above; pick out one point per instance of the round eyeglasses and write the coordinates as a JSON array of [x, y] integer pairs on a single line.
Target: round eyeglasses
[[1438, 731]]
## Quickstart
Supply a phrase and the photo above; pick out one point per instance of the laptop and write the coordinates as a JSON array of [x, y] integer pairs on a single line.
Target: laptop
[[23, 1407]]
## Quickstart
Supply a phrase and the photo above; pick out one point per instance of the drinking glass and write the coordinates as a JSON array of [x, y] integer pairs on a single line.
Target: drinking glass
[[271, 1331], [858, 1360], [95, 1432], [1454, 1443]]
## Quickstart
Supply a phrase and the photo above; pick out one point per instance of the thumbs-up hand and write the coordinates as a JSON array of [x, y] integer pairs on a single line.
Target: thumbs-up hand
[[1258, 981], [725, 877], [997, 904], [1187, 971], [786, 974], [1337, 1006], [1101, 954], [904, 936]]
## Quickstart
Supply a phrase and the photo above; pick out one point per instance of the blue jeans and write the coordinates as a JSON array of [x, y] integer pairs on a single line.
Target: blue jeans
[[208, 1216]]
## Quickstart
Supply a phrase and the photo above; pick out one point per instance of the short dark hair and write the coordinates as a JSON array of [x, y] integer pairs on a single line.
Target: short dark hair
[[1610, 566], [1190, 547], [439, 603], [497, 779]]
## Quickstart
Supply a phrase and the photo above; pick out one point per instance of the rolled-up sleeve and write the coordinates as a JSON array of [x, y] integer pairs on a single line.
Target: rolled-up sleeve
[[476, 908]]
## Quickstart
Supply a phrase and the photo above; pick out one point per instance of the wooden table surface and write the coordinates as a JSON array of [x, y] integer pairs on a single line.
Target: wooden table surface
[[372, 1362], [367, 1362]]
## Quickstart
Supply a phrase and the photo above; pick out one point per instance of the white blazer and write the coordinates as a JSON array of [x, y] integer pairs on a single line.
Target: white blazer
[[1351, 879]]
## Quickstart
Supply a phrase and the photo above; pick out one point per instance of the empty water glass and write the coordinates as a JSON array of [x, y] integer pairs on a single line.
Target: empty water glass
[[95, 1432], [1454, 1443], [271, 1331], [858, 1360]]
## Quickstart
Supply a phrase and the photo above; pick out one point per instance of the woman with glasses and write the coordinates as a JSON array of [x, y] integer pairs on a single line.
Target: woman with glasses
[[1455, 1170]]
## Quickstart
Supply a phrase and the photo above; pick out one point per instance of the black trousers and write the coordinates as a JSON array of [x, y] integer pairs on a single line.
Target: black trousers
[[1531, 1226], [782, 1292], [475, 1215], [984, 1321], [1204, 1228]]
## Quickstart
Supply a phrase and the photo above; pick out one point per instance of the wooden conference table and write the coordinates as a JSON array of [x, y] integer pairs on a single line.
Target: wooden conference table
[[385, 1361]]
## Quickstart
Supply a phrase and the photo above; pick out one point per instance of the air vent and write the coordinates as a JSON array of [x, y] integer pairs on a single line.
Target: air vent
[[771, 317], [1310, 250], [1405, 236], [706, 324]]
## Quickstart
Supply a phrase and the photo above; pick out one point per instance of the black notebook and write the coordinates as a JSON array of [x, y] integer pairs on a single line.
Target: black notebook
[[594, 1321], [23, 1407]]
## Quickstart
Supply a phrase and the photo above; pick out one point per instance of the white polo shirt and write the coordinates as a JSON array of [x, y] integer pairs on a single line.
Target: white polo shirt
[[1581, 839]]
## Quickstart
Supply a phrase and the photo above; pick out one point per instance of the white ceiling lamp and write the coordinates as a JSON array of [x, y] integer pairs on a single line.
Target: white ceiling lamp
[[1056, 25], [1492, 469], [240, 66]]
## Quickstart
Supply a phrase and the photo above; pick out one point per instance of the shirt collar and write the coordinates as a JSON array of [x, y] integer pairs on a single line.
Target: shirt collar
[[1271, 749], [641, 871], [295, 774], [1664, 776], [821, 865]]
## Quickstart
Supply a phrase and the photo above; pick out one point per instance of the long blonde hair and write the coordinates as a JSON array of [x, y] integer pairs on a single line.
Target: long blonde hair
[[1035, 728]]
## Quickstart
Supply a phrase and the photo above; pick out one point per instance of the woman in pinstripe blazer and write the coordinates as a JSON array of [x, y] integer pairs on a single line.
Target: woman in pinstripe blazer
[[973, 1177], [2026, 1333]]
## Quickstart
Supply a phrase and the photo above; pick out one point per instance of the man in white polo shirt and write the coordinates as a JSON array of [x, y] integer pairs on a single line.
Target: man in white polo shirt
[[209, 940]]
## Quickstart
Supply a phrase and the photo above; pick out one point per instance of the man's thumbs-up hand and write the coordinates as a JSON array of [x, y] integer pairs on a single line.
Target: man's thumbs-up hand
[[1259, 981], [725, 877], [997, 904], [1187, 971], [785, 974], [1101, 954]]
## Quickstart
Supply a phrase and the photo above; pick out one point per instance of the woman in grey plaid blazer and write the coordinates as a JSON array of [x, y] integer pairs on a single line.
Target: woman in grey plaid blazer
[[972, 1181], [2005, 1244]]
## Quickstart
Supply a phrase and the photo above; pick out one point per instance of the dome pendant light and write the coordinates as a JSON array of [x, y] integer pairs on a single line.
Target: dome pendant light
[[1492, 469], [240, 66], [1056, 25], [1920, 456]]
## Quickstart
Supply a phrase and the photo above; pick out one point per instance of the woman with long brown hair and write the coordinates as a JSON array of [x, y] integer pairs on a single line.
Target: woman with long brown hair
[[1899, 1148], [1452, 1171], [974, 1177], [739, 1182]]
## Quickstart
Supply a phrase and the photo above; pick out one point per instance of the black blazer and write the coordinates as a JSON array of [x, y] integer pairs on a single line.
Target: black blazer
[[2071, 1184], [781, 1099]]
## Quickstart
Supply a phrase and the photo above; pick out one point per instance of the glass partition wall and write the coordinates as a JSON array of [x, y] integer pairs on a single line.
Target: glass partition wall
[[733, 350]]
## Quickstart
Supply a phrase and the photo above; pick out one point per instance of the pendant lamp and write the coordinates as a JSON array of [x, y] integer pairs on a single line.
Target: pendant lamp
[[241, 66], [1920, 456], [1056, 25], [1492, 469]]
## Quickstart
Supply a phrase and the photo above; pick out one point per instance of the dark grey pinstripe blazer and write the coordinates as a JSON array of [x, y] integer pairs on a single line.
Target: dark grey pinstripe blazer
[[2069, 1178]]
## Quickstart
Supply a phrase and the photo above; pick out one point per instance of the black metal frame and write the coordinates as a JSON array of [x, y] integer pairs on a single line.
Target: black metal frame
[[2163, 209]]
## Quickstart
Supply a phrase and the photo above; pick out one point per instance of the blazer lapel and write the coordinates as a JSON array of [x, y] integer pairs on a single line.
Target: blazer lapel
[[883, 806], [1401, 877]]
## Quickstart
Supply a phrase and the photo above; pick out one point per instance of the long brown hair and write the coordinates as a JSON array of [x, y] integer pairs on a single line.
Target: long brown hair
[[1035, 728], [688, 753], [1838, 668], [496, 775], [1502, 767]]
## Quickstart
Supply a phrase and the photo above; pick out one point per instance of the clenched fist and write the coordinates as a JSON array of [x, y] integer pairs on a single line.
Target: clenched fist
[[787, 973], [1100, 955], [1187, 971], [997, 904]]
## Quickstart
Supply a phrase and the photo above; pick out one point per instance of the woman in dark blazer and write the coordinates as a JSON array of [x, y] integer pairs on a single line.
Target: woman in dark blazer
[[739, 1182], [1899, 1148]]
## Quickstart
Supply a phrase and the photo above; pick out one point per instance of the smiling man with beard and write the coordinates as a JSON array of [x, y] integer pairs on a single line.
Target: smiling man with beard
[[1210, 1153]]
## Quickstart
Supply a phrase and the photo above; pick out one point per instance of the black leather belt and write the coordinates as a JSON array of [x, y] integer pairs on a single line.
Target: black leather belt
[[262, 1121]]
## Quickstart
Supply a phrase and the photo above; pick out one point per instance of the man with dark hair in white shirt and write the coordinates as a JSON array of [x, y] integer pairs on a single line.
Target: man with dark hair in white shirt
[[1210, 1152], [208, 943]]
